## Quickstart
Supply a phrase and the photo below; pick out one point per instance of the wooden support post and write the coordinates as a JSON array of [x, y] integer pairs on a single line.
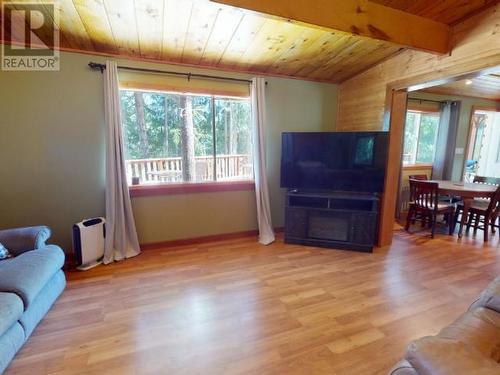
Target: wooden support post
[[393, 170]]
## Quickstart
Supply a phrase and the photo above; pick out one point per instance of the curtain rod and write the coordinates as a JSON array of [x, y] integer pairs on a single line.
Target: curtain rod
[[101, 67], [426, 100]]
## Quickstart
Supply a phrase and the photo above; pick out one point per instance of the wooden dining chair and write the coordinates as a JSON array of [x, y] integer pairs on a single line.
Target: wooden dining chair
[[420, 177], [424, 204], [442, 198], [489, 181], [483, 214]]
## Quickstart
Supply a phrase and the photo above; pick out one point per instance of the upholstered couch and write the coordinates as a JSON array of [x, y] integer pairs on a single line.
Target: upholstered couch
[[30, 282], [469, 346]]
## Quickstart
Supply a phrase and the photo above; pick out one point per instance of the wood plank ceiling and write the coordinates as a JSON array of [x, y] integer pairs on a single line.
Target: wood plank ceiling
[[199, 32], [485, 87]]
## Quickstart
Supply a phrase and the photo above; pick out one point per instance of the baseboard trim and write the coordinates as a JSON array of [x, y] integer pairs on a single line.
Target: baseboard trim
[[203, 239]]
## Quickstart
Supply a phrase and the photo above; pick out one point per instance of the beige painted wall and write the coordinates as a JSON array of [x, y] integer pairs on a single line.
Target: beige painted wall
[[51, 147], [165, 217], [52, 152], [463, 123]]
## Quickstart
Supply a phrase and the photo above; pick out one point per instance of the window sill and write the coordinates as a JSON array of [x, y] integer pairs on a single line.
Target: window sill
[[409, 167], [190, 188]]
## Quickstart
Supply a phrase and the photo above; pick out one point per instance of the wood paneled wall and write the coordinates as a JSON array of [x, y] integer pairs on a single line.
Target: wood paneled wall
[[363, 98]]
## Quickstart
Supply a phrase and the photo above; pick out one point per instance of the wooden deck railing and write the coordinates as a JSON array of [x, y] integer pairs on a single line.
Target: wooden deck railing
[[228, 167]]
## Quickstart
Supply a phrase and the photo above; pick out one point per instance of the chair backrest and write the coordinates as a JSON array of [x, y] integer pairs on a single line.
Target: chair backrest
[[487, 180], [494, 205], [420, 177], [424, 194]]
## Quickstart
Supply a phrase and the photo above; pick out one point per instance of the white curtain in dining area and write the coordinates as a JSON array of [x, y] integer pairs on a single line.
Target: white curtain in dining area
[[121, 236], [266, 233]]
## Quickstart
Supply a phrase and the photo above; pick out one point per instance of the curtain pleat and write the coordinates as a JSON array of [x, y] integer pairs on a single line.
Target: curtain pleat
[[121, 236]]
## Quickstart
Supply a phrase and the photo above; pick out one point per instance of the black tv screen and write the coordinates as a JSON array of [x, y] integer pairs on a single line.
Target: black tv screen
[[344, 161]]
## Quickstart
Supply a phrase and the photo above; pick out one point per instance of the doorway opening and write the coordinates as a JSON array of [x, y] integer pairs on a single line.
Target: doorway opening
[[451, 132], [483, 154]]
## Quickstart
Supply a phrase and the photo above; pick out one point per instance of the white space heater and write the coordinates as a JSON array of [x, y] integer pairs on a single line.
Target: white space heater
[[88, 242]]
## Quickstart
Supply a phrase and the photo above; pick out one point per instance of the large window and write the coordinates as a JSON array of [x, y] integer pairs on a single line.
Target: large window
[[179, 138], [420, 137]]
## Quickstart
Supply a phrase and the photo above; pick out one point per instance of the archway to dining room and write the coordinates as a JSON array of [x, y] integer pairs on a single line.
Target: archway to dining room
[[450, 132]]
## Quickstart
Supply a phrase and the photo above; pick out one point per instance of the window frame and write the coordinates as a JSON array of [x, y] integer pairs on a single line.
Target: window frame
[[165, 188], [421, 113]]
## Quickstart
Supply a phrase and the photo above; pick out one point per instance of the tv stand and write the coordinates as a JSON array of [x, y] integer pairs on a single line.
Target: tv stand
[[339, 220]]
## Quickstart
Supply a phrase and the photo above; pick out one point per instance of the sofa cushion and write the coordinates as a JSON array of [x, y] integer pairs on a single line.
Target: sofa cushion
[[10, 342], [490, 297], [11, 310], [438, 356], [43, 303], [26, 274]]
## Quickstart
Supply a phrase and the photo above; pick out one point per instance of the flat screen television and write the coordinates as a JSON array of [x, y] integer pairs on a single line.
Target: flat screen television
[[330, 161]]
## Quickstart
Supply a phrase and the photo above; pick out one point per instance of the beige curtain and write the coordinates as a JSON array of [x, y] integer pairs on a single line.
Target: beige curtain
[[121, 236], [266, 233]]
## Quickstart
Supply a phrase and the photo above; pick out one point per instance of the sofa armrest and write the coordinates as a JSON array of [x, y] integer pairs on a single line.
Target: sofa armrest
[[20, 240], [403, 367], [438, 356], [489, 298]]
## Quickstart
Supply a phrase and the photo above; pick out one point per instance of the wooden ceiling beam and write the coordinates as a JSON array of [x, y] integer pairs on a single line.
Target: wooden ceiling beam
[[359, 17]]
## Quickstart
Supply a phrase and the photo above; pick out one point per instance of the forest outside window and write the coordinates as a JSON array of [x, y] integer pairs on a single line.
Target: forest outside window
[[420, 137], [176, 138]]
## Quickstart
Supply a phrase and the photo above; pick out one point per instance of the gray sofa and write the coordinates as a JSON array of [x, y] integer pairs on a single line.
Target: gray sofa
[[30, 282]]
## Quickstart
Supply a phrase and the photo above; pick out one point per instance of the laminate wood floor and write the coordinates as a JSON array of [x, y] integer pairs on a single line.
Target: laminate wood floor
[[236, 307]]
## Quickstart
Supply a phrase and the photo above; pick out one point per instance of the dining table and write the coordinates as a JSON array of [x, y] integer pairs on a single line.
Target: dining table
[[467, 191]]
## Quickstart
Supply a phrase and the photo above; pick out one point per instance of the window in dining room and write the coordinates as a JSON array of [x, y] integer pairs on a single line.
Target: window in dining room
[[420, 137]]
